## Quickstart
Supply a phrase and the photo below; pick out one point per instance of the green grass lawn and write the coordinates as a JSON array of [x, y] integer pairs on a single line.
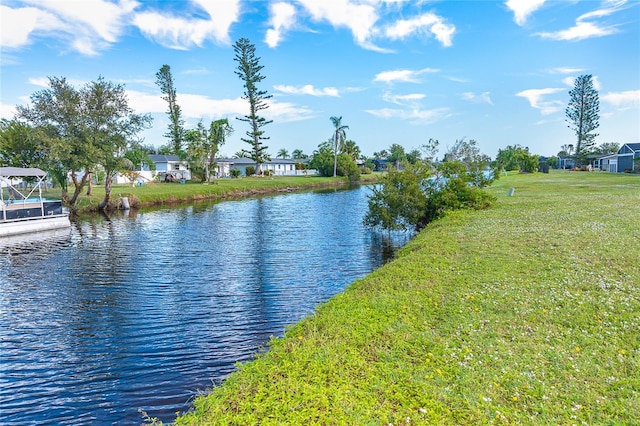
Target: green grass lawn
[[528, 313], [161, 193]]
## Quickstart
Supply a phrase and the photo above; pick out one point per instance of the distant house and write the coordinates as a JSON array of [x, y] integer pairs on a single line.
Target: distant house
[[380, 165], [566, 162], [609, 163], [277, 167], [170, 167], [626, 156], [622, 161]]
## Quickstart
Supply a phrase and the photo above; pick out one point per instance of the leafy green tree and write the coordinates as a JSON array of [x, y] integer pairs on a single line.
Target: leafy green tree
[[430, 150], [455, 188], [468, 153], [248, 70], [84, 129], [195, 141], [339, 135], [414, 156], [139, 157], [283, 153], [348, 167], [204, 144], [381, 155], [111, 126], [297, 154], [418, 194], [20, 145], [350, 148], [607, 148], [57, 114], [582, 114], [175, 133], [400, 201], [397, 155], [516, 157], [566, 150], [323, 158]]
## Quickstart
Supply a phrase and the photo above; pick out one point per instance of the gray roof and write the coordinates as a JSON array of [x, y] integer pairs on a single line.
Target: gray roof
[[164, 158], [633, 146], [21, 172]]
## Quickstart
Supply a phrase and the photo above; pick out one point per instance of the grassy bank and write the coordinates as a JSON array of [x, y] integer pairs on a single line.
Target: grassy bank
[[161, 193], [527, 313]]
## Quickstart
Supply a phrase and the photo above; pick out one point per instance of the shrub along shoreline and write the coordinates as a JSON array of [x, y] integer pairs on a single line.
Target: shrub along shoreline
[[526, 313]]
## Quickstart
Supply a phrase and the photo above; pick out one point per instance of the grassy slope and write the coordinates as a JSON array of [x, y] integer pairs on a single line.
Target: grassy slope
[[160, 193], [526, 313]]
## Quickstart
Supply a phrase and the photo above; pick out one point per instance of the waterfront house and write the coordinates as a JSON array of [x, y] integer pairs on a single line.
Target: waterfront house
[[172, 166], [277, 167]]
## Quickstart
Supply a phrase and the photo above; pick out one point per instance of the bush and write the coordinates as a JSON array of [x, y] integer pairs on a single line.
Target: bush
[[543, 167], [413, 197], [250, 171], [347, 167], [235, 173]]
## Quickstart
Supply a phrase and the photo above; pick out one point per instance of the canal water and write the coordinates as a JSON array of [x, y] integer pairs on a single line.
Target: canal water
[[142, 312]]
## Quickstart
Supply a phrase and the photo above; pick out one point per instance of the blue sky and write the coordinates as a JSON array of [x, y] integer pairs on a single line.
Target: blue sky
[[396, 71]]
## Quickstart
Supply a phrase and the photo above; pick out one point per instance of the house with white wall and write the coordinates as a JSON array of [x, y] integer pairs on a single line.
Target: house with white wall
[[170, 165], [277, 166]]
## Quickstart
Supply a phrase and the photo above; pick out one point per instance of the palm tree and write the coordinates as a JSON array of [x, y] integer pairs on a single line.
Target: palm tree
[[283, 153], [297, 154], [339, 134], [350, 148]]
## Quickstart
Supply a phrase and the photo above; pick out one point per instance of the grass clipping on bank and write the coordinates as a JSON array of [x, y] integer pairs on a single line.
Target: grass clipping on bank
[[528, 313]]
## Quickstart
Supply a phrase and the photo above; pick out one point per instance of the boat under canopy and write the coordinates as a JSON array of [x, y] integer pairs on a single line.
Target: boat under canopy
[[23, 209]]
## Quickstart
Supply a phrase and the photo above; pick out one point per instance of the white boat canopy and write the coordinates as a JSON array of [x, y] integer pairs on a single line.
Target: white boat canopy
[[7, 174], [21, 172]]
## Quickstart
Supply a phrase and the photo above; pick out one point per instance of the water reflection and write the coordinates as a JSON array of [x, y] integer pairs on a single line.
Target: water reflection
[[129, 312]]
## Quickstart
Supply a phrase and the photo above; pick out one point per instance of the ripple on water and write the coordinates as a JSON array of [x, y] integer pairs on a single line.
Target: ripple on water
[[128, 313]]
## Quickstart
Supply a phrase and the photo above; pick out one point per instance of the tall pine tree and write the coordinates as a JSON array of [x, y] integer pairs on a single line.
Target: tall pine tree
[[249, 72], [164, 80], [582, 114]]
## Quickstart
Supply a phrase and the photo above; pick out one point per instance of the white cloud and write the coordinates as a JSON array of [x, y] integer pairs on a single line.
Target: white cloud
[[403, 99], [283, 17], [565, 70], [360, 19], [196, 107], [39, 81], [580, 31], [484, 97], [523, 8], [87, 26], [427, 22], [307, 90], [7, 111], [285, 112], [407, 76], [415, 116], [623, 100], [583, 29], [18, 24], [182, 33], [534, 96], [196, 71]]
